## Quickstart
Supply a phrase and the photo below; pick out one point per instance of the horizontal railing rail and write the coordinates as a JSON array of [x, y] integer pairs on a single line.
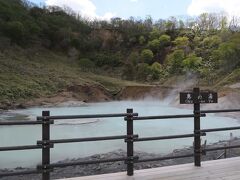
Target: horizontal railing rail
[[75, 140], [13, 123], [220, 129], [87, 162], [129, 138], [221, 148], [88, 116], [167, 117], [167, 137], [17, 148], [220, 111]]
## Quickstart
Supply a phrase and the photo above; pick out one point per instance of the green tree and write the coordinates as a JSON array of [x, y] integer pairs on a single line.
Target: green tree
[[192, 63], [174, 61], [207, 48], [156, 71], [164, 40], [211, 42], [171, 24], [154, 45], [141, 40], [15, 31], [147, 56], [229, 54], [133, 58], [181, 42], [154, 34]]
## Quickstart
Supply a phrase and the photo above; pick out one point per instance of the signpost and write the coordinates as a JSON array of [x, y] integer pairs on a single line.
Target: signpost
[[197, 97], [203, 97]]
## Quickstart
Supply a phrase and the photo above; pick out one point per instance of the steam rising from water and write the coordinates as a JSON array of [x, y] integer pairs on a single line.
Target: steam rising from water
[[187, 83]]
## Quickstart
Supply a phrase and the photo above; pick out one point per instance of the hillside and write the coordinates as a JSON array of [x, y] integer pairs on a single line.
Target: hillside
[[51, 51], [34, 74]]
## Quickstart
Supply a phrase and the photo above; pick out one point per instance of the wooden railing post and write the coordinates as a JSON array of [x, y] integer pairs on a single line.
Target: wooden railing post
[[225, 151], [197, 137], [129, 140], [45, 145]]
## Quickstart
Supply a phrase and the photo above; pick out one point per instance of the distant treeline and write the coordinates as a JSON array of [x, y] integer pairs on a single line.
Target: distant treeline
[[140, 49]]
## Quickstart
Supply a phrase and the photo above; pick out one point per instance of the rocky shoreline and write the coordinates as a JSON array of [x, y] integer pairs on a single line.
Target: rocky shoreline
[[93, 169]]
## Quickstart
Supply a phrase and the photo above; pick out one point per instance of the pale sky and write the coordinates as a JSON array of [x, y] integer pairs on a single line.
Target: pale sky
[[158, 9]]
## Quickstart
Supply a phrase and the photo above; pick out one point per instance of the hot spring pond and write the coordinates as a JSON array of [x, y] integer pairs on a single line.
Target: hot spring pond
[[28, 135]]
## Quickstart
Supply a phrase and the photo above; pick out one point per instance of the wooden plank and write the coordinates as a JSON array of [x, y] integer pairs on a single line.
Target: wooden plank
[[185, 170], [195, 174], [224, 169]]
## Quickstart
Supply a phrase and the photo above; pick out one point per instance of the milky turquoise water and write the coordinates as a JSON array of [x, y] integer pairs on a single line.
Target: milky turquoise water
[[28, 135]]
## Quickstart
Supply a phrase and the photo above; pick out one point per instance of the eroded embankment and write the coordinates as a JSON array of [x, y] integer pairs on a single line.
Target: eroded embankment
[[97, 93], [144, 92], [92, 93], [82, 93]]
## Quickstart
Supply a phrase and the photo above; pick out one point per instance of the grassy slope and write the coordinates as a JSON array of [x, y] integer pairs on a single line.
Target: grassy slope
[[27, 74], [32, 73]]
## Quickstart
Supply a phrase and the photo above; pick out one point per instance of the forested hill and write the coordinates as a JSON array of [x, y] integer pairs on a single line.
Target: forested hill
[[31, 37]]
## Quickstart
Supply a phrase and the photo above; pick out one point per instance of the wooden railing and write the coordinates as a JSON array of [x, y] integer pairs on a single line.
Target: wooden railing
[[46, 120]]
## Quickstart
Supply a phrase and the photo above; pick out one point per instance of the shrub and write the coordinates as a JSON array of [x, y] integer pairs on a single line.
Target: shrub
[[133, 58], [156, 71], [154, 34], [154, 45], [15, 31], [211, 42], [147, 56], [102, 59], [86, 64], [181, 42], [141, 40], [164, 40], [192, 63], [174, 61]]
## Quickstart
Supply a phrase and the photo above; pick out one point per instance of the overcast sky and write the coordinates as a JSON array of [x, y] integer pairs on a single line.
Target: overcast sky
[[107, 9]]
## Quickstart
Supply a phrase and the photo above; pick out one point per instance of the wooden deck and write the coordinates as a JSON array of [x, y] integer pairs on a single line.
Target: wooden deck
[[224, 169]]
